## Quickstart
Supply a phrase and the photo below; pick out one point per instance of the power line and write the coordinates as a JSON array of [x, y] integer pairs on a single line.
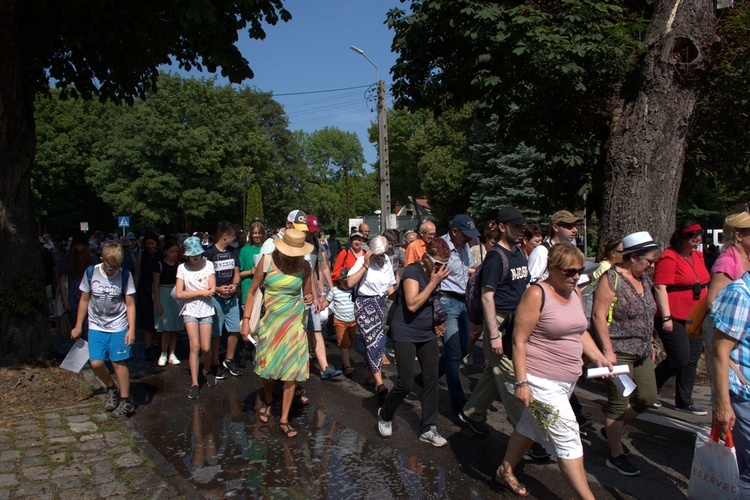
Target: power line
[[321, 91]]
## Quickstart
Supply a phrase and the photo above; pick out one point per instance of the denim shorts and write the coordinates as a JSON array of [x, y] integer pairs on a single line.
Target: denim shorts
[[105, 346], [227, 314], [201, 321]]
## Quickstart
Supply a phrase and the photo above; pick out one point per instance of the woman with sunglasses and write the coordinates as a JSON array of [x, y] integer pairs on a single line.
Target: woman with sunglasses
[[549, 338], [627, 340], [372, 275], [415, 333], [681, 279]]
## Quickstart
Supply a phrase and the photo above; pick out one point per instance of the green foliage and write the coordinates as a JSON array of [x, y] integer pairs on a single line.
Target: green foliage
[[503, 178], [333, 158], [548, 70], [441, 149], [405, 177], [254, 204], [113, 49], [25, 296], [720, 134]]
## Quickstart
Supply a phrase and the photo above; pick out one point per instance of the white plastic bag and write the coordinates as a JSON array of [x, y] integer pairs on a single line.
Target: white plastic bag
[[714, 474]]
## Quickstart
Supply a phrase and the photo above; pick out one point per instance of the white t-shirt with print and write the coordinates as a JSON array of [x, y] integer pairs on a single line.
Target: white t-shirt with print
[[198, 307], [376, 280], [107, 309]]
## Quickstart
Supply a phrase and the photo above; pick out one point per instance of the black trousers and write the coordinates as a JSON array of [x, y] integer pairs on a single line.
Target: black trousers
[[428, 355], [681, 362]]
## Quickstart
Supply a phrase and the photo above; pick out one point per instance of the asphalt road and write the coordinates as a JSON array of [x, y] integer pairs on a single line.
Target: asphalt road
[[218, 444]]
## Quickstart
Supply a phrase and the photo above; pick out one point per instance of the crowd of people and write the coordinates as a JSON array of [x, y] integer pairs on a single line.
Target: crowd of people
[[544, 314]]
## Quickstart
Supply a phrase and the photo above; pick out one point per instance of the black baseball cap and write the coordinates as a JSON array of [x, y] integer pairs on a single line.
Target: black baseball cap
[[510, 215]]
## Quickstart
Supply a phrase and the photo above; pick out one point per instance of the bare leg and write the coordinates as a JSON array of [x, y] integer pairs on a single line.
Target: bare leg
[[215, 341], [207, 345], [614, 432], [102, 373], [517, 446], [320, 351], [123, 378], [165, 338], [286, 405], [233, 339], [195, 349], [172, 342], [575, 476], [345, 357]]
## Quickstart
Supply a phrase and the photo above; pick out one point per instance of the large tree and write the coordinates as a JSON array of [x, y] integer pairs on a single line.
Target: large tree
[[91, 48], [604, 89]]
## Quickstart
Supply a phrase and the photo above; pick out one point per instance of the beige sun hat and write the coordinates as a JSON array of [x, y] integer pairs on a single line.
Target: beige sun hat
[[293, 243]]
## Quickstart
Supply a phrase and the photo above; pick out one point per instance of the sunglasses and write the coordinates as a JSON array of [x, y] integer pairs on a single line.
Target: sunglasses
[[437, 263], [651, 262], [572, 272], [567, 225]]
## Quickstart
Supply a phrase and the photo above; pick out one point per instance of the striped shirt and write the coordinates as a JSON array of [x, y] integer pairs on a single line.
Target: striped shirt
[[731, 311], [343, 305]]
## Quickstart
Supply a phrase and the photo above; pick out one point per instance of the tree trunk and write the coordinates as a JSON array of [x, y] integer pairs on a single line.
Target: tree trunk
[[23, 335], [648, 136]]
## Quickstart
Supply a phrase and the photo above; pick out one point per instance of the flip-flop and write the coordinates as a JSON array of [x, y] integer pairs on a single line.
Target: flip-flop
[[264, 413], [287, 429], [509, 481], [349, 371]]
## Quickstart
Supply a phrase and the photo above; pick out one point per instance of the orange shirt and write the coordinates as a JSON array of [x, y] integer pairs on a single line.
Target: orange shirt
[[414, 252]]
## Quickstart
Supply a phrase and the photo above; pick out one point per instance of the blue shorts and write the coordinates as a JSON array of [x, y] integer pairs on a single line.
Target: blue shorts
[[227, 314], [201, 321], [110, 346]]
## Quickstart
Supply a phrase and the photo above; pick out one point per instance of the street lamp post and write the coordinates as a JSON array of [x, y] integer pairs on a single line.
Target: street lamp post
[[385, 175]]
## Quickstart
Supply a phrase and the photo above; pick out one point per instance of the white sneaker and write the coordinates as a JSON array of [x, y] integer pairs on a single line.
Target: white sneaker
[[433, 438], [384, 426], [162, 359], [173, 360]]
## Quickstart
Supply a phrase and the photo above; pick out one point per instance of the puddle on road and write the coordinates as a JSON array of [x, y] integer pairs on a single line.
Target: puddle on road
[[225, 451]]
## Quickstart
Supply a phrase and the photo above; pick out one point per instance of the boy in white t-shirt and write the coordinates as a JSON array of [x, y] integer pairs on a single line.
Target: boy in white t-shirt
[[111, 313], [343, 319]]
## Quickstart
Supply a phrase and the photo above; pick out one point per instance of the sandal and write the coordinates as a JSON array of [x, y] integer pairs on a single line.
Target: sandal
[[349, 371], [299, 397], [368, 378], [509, 482], [264, 412], [287, 429]]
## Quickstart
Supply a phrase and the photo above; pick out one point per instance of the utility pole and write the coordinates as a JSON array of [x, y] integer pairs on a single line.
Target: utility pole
[[385, 173]]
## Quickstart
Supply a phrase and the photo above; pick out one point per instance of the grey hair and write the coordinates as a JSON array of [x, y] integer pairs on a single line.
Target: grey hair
[[379, 245]]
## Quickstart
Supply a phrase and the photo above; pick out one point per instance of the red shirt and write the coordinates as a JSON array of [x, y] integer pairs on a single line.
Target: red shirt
[[674, 269], [343, 259]]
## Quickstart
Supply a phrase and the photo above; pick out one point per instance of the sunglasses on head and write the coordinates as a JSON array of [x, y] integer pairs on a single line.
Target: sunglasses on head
[[572, 272]]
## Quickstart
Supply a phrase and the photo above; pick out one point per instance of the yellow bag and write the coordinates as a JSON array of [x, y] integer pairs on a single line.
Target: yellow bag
[[694, 322]]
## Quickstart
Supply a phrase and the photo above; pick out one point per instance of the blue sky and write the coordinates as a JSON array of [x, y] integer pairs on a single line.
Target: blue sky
[[311, 53]]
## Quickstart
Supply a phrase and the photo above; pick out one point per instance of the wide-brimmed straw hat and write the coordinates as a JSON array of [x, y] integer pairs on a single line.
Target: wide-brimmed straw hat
[[293, 243]]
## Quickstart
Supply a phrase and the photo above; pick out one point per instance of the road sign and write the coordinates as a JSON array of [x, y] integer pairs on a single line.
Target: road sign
[[123, 221]]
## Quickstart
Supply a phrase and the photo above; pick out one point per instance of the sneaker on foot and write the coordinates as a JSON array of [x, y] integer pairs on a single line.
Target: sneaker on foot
[[111, 399], [218, 372], [603, 436], [330, 372], [433, 437], [194, 392], [478, 427], [695, 410], [622, 465], [162, 359], [210, 378], [468, 359], [124, 409], [385, 427], [173, 360], [232, 367], [537, 452], [657, 403]]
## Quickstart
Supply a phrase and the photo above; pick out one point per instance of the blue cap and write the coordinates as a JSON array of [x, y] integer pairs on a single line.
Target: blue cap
[[466, 225]]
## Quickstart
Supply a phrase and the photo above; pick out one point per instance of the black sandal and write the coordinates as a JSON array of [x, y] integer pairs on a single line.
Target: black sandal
[[287, 429], [264, 412], [299, 397]]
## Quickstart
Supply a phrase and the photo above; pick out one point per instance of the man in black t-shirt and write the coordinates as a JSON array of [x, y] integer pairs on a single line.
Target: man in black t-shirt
[[502, 290]]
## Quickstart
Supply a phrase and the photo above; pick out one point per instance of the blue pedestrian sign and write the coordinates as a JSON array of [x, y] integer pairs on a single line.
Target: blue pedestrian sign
[[123, 221]]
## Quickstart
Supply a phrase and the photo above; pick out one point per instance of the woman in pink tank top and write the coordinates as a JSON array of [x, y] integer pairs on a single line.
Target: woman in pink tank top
[[549, 337]]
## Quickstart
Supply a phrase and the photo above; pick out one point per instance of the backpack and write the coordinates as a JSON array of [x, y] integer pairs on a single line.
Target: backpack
[[587, 297], [473, 295], [125, 276], [505, 330]]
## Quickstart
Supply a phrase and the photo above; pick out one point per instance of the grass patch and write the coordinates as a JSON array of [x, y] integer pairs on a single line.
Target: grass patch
[[40, 385]]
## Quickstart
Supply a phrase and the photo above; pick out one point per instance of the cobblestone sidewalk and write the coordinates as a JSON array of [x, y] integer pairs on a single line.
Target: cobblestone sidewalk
[[80, 452]]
